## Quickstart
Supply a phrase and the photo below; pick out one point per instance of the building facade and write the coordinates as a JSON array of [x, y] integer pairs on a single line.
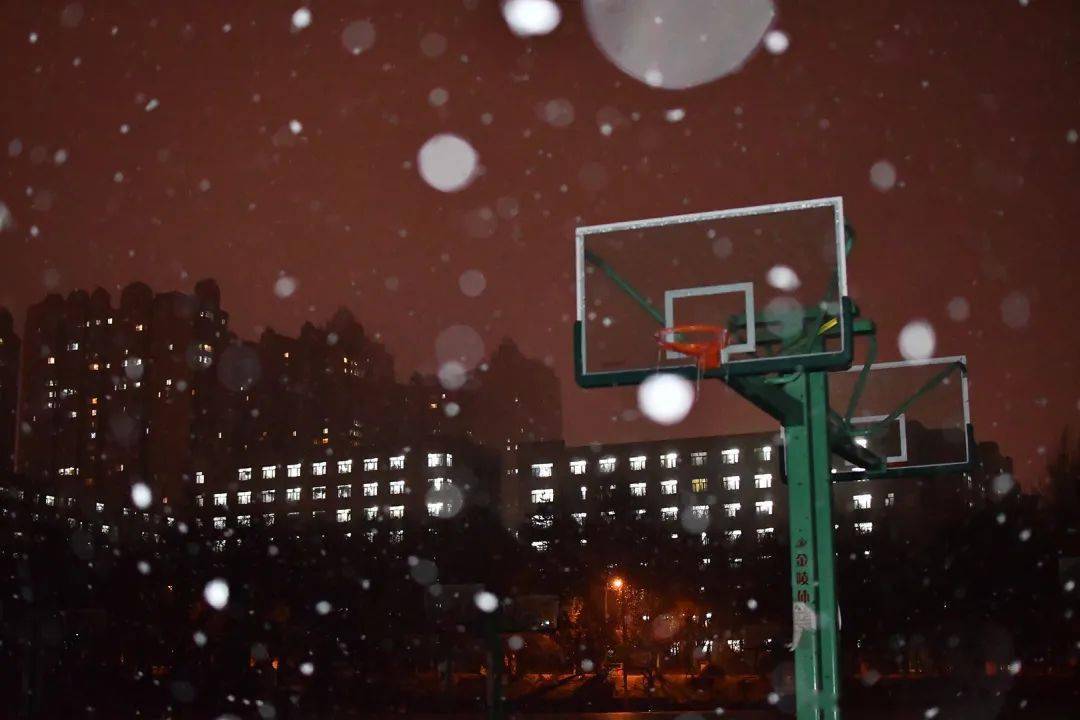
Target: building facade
[[726, 488], [113, 394], [378, 492]]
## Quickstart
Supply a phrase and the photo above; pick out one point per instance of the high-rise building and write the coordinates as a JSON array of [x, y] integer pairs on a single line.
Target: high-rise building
[[111, 395]]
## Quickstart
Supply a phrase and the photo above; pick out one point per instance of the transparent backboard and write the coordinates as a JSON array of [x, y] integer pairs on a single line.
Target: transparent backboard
[[913, 415], [773, 276]]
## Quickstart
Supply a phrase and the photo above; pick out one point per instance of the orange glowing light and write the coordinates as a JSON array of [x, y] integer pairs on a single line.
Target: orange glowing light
[[616, 583]]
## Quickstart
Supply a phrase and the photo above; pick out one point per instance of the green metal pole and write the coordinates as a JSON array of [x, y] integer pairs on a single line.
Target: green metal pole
[[828, 623], [813, 563]]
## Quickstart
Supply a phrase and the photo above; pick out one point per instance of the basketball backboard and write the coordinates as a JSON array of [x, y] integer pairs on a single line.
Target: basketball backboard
[[774, 276], [913, 414]]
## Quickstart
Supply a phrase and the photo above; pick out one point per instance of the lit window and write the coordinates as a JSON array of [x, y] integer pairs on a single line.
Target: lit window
[[449, 459], [243, 497], [699, 484], [542, 521], [729, 457], [397, 487], [669, 487], [637, 489], [268, 518], [640, 513], [397, 462], [243, 474], [318, 468], [67, 471], [371, 463], [435, 460], [607, 464], [344, 467], [701, 511], [735, 645], [763, 480], [669, 513], [543, 495], [371, 489], [219, 523], [100, 507], [200, 477], [344, 491], [318, 492], [344, 515], [763, 507], [370, 513], [221, 499], [293, 470], [698, 458], [199, 501], [731, 509], [73, 346], [267, 496], [541, 470], [669, 460], [731, 482], [862, 502], [864, 528], [764, 453], [579, 517], [50, 500], [51, 360], [243, 520], [764, 533], [435, 509], [396, 511], [583, 490], [890, 499], [732, 535], [637, 462], [577, 467], [540, 545], [269, 472], [292, 494], [438, 483]]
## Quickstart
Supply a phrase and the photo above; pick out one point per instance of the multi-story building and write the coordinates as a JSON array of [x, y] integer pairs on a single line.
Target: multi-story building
[[109, 395], [728, 487], [368, 491]]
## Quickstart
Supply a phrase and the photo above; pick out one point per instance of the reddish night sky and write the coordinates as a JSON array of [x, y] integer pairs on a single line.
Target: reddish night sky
[[974, 103]]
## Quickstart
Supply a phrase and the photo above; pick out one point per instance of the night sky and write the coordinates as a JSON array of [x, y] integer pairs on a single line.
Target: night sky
[[152, 141]]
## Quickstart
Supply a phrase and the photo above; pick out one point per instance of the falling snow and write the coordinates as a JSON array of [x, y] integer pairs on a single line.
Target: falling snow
[[666, 398], [447, 163]]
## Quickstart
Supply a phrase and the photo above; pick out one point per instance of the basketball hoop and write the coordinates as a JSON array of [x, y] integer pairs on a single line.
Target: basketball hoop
[[703, 342]]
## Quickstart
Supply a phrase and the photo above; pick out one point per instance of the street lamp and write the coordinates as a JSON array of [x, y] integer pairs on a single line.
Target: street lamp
[[617, 584]]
